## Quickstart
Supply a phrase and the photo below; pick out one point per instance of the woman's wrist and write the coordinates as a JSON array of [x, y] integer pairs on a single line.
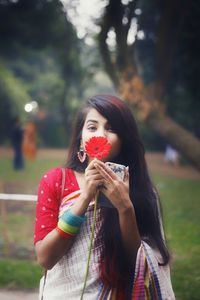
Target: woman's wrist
[[69, 224], [126, 208], [85, 197], [81, 205]]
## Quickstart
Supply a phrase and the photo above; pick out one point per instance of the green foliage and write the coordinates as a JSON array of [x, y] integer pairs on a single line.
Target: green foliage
[[51, 132], [42, 52], [13, 97], [12, 91], [41, 77]]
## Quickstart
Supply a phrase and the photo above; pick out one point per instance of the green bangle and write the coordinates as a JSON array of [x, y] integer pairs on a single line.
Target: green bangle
[[74, 220], [67, 228]]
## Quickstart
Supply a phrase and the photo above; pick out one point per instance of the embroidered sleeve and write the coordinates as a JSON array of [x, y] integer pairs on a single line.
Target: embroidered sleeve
[[47, 203]]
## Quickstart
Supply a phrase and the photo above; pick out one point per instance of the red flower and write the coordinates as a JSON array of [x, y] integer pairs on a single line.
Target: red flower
[[97, 146]]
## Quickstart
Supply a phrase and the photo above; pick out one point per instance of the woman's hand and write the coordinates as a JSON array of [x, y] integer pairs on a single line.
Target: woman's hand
[[93, 179], [117, 191], [114, 188]]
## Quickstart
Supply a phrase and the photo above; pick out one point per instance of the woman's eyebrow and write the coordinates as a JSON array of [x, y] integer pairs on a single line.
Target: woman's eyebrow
[[93, 121]]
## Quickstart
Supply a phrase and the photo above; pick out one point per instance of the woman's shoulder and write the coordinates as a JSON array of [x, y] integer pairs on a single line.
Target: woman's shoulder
[[56, 171], [52, 180], [52, 174], [53, 177]]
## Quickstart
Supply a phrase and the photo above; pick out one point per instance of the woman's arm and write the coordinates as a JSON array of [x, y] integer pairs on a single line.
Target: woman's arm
[[129, 231], [117, 191], [51, 249], [53, 246]]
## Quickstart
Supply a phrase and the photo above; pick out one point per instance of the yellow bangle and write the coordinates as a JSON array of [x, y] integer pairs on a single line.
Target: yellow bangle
[[67, 228]]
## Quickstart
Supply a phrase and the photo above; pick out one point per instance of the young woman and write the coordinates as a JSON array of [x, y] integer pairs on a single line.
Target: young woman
[[129, 258]]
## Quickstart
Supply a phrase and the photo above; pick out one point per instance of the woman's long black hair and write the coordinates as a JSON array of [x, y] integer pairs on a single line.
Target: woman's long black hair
[[115, 267]]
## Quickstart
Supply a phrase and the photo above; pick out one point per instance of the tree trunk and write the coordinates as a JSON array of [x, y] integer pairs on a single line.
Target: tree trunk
[[178, 137], [149, 110]]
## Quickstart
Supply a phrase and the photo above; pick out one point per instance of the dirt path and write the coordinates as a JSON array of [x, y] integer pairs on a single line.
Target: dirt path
[[157, 165], [18, 295]]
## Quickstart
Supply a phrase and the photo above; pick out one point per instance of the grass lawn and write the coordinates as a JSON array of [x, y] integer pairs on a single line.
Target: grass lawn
[[26, 181], [19, 274], [180, 200]]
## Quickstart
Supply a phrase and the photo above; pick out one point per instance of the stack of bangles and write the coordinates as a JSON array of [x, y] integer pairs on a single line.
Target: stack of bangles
[[69, 224]]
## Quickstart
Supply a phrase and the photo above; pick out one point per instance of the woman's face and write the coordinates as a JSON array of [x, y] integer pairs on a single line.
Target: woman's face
[[96, 125]]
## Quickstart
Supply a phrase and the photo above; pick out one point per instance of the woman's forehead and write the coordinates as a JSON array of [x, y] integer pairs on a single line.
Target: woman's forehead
[[95, 116]]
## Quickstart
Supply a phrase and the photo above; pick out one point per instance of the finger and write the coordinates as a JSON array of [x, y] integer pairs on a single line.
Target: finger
[[92, 172], [126, 176], [107, 169], [94, 177], [104, 172], [91, 164]]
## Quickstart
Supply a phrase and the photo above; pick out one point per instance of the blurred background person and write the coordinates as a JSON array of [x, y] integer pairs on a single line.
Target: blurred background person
[[171, 155], [17, 139], [29, 141]]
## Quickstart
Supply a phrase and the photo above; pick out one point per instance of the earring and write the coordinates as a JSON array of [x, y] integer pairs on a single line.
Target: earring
[[81, 154]]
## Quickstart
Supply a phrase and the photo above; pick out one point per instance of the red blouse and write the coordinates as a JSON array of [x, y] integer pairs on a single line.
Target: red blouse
[[49, 197]]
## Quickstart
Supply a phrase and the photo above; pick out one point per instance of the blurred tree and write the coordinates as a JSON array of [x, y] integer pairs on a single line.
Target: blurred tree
[[39, 46], [152, 48], [13, 96]]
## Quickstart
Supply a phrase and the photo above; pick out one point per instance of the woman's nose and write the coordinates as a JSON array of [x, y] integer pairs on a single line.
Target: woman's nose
[[101, 132]]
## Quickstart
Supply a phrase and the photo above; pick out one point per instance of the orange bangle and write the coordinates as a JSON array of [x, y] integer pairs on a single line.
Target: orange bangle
[[64, 234]]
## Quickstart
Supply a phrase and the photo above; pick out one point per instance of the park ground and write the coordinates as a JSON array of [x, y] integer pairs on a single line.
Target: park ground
[[179, 190], [18, 295]]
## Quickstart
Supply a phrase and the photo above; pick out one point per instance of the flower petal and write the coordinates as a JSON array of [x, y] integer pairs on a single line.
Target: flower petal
[[98, 147]]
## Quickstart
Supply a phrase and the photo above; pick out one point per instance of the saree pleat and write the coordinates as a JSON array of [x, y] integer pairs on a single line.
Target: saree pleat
[[146, 285]]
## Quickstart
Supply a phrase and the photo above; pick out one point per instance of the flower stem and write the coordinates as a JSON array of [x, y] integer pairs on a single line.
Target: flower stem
[[90, 248]]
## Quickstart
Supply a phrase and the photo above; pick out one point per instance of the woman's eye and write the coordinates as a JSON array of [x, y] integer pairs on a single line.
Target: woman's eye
[[92, 128], [110, 129]]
